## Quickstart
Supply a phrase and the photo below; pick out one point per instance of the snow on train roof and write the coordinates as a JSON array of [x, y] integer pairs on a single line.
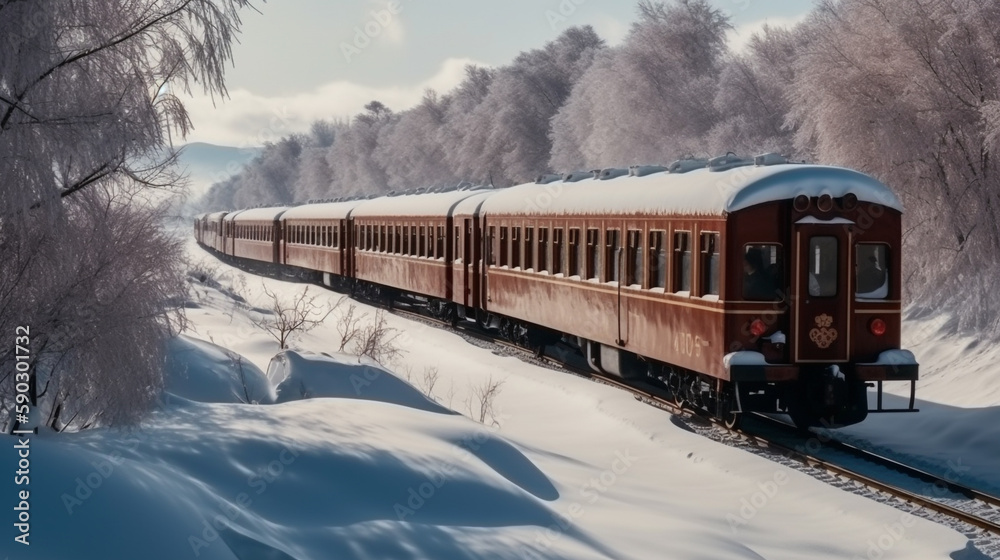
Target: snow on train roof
[[469, 205], [257, 214], [322, 210], [215, 216], [413, 205], [698, 192]]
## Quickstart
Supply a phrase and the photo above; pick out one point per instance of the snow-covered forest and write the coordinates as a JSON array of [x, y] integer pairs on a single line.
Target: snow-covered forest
[[906, 91]]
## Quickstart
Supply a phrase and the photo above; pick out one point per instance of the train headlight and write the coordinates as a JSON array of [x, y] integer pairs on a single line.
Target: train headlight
[[850, 201], [825, 203], [877, 326], [758, 328]]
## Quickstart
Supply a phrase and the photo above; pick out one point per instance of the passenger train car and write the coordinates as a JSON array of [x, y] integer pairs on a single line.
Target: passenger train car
[[743, 285]]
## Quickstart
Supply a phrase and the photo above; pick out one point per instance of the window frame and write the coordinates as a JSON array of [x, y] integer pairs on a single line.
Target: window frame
[[680, 250]]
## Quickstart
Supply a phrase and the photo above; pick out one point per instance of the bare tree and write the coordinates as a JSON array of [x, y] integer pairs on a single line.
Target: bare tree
[[430, 379], [482, 403], [377, 340], [285, 317], [347, 326]]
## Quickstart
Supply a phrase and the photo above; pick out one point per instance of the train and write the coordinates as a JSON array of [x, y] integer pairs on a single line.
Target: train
[[740, 284]]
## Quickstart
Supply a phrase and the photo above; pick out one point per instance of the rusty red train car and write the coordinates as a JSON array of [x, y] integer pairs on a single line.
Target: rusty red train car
[[743, 285], [254, 234], [320, 237], [412, 244]]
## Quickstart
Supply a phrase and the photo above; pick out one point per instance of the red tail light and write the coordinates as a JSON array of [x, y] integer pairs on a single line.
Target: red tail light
[[877, 327], [758, 328]]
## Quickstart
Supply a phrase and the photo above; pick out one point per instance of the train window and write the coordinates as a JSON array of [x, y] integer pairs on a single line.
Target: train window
[[557, 251], [543, 249], [574, 253], [762, 272], [515, 247], [871, 271], [413, 241], [312, 235], [823, 266], [709, 264], [440, 243], [613, 245], [593, 254], [399, 240], [635, 258], [422, 251], [504, 247], [682, 261], [457, 243], [529, 248]]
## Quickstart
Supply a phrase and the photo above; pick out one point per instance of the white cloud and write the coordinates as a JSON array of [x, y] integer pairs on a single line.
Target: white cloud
[[740, 37], [248, 119]]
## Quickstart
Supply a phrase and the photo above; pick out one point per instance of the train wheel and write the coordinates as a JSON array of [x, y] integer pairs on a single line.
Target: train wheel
[[674, 383], [725, 410], [732, 420]]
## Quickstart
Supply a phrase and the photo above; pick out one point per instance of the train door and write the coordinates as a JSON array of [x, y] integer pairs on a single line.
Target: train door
[[467, 245], [348, 251], [822, 291]]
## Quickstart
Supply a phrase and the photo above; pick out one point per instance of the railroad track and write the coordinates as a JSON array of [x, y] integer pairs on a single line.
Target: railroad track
[[787, 441]]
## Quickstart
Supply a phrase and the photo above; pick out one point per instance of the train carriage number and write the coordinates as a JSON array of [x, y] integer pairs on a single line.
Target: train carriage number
[[687, 344]]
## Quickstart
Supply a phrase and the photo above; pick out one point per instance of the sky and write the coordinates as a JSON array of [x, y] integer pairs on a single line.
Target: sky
[[302, 60]]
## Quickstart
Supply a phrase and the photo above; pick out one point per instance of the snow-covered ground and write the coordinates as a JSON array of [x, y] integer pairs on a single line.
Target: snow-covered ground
[[566, 468]]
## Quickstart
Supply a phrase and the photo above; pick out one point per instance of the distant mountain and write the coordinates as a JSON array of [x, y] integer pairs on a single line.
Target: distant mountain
[[207, 164]]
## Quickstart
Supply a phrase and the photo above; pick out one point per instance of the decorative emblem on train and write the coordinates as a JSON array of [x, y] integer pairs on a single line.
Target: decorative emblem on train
[[823, 335]]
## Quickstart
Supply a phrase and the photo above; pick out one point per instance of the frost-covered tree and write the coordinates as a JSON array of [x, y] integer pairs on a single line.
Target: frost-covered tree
[[461, 135], [87, 95], [411, 150], [753, 98], [513, 141], [909, 91], [650, 99], [352, 159], [270, 178]]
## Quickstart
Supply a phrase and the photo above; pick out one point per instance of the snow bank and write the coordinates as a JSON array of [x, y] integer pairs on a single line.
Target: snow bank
[[320, 478], [203, 372], [298, 376]]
